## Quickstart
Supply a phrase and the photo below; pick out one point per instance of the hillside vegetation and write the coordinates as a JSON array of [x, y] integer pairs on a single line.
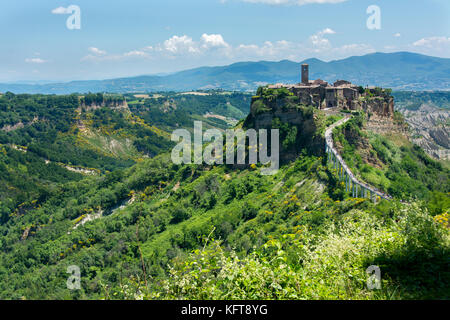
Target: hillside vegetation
[[392, 163], [152, 229], [48, 140], [413, 100], [293, 235]]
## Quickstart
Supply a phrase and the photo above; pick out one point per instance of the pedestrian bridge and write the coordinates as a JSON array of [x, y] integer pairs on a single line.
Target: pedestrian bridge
[[352, 184]]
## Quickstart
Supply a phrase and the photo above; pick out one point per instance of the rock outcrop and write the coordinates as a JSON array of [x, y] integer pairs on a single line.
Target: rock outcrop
[[381, 107], [299, 125], [430, 129]]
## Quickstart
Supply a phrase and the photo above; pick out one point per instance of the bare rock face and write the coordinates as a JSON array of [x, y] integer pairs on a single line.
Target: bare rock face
[[383, 125], [430, 129], [380, 116], [265, 112], [441, 137], [115, 105], [380, 107], [25, 234], [19, 125]]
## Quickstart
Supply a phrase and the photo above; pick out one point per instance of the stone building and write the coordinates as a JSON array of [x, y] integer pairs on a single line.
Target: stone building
[[342, 94]]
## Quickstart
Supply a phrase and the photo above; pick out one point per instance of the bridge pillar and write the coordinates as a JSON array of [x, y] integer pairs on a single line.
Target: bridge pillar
[[340, 171]]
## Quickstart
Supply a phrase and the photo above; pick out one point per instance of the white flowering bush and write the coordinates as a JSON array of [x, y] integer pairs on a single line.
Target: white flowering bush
[[307, 265]]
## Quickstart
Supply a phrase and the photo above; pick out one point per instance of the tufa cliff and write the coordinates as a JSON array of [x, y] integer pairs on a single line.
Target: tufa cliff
[[300, 111]]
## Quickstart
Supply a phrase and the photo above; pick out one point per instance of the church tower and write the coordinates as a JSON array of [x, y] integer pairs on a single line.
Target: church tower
[[305, 73]]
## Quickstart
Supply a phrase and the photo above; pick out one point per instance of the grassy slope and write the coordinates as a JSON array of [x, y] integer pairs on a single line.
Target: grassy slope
[[292, 235], [392, 163], [325, 240], [55, 129]]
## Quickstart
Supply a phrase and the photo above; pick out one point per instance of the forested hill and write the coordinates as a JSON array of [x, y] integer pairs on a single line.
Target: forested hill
[[50, 140], [400, 70], [157, 230]]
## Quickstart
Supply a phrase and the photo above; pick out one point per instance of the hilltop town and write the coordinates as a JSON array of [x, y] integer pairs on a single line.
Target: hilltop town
[[341, 94]]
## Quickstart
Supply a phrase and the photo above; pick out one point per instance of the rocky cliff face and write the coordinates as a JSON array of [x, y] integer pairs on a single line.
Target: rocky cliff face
[[289, 108], [381, 116], [381, 125], [429, 125], [115, 105], [379, 107], [302, 120], [430, 129], [19, 125]]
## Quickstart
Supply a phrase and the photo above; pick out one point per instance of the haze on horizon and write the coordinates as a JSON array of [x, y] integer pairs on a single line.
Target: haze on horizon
[[128, 38]]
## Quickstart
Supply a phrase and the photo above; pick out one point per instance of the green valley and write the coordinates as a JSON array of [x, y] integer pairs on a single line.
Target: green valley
[[142, 227]]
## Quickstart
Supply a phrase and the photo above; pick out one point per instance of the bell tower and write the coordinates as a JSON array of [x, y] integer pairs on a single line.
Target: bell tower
[[305, 73]]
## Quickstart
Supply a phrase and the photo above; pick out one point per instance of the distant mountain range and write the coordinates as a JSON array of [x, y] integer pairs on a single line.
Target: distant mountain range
[[400, 71]]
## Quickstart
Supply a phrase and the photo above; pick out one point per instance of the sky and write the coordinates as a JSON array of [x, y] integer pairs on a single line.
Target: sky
[[122, 38]]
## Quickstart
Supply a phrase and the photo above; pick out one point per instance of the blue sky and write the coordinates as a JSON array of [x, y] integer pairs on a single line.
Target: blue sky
[[134, 37]]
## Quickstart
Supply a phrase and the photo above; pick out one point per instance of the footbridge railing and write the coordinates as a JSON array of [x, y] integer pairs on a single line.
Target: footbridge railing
[[352, 184]]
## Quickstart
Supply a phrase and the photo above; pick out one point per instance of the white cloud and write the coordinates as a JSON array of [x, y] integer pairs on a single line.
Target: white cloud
[[213, 49], [432, 42], [327, 31], [35, 60], [294, 2], [397, 35], [268, 50], [97, 51], [318, 40], [97, 55], [61, 10], [135, 53], [434, 46], [180, 44], [213, 41], [352, 50], [317, 46]]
